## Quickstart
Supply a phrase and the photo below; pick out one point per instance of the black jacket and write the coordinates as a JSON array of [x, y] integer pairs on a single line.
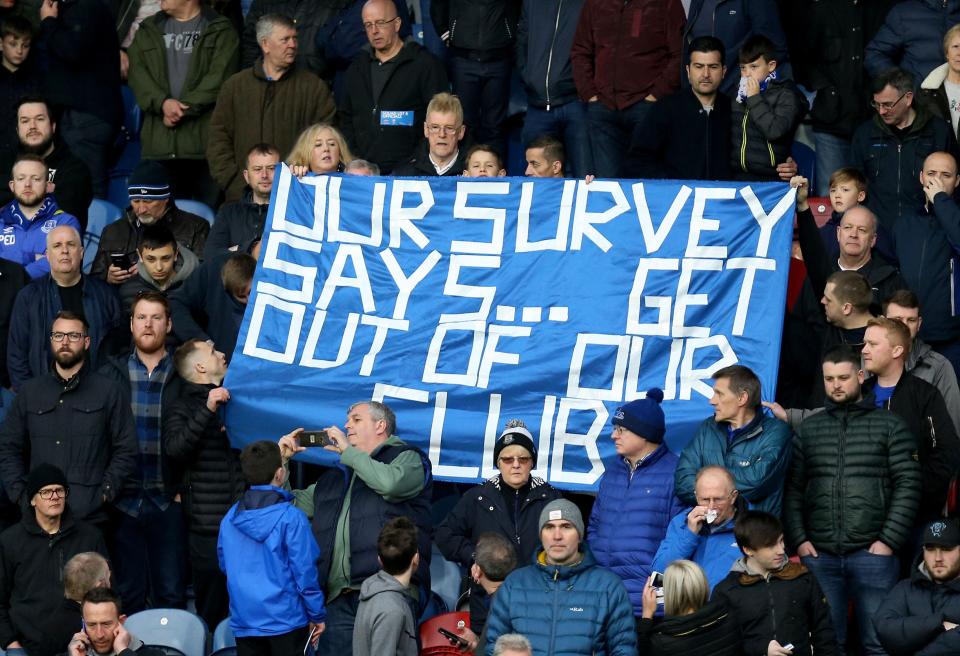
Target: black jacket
[[544, 38], [57, 629], [420, 164], [710, 631], [910, 620], [679, 140], [921, 405], [194, 437], [13, 278], [25, 81], [481, 30], [31, 580], [238, 225], [416, 78], [763, 128], [787, 606], [123, 236]]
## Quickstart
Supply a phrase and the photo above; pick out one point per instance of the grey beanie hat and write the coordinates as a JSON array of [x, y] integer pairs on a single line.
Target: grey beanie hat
[[562, 509]]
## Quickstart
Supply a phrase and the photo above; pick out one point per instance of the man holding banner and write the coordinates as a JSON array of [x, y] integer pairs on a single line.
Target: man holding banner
[[379, 477]]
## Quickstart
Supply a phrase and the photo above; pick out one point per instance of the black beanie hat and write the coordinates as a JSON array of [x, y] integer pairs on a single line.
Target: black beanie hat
[[515, 433], [43, 475]]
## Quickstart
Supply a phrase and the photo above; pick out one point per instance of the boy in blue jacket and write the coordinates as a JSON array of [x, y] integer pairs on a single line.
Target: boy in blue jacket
[[269, 554]]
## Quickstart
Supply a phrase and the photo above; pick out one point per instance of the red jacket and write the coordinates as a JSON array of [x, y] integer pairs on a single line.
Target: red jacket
[[625, 50]]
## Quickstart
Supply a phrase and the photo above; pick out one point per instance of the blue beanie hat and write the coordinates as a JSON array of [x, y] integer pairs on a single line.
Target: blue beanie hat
[[643, 416], [149, 181]]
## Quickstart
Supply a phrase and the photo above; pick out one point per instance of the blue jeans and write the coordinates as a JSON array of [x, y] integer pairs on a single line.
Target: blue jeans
[[569, 123], [833, 153], [862, 577], [484, 92], [610, 133], [337, 638]]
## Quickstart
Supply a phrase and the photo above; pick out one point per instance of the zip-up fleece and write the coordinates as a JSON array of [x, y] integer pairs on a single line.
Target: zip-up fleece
[[544, 37]]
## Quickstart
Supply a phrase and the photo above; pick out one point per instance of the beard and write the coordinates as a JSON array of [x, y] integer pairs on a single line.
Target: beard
[[69, 359], [38, 149], [24, 203]]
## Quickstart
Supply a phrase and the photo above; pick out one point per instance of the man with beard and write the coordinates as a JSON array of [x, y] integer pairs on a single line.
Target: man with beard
[[30, 216], [68, 175], [75, 419], [66, 288], [921, 614]]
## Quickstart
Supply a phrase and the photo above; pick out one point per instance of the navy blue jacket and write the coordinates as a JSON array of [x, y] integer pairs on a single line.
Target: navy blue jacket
[[544, 37], [37, 305], [912, 37], [630, 518]]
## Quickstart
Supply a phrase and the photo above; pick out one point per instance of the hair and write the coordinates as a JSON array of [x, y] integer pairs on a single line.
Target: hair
[[755, 529], [552, 147], [302, 150], [484, 148], [716, 469], [840, 354], [949, 36], [379, 412], [397, 545], [512, 642], [237, 272], [16, 26], [102, 596], [360, 165], [151, 297], [897, 333], [262, 148], [259, 461], [897, 78], [849, 174], [157, 235], [495, 556], [269, 22], [67, 315], [852, 287], [446, 103], [33, 99], [742, 380], [904, 298], [707, 44], [28, 157], [183, 357], [84, 572], [685, 588], [755, 47]]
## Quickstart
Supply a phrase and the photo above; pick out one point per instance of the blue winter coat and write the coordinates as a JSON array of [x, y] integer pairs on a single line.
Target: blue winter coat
[[630, 518], [758, 458], [25, 239], [268, 552], [715, 552], [912, 37], [565, 611]]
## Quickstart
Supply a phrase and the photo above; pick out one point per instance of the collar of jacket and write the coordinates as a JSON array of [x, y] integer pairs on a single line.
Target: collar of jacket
[[14, 215], [753, 428], [651, 458], [408, 51], [258, 72], [563, 572], [919, 122], [788, 572], [864, 405], [30, 525], [197, 390]]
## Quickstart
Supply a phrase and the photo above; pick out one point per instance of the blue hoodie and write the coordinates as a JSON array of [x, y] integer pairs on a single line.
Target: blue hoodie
[[269, 554], [24, 240]]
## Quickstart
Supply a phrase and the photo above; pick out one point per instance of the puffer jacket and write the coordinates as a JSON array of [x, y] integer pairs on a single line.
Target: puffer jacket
[[544, 37], [481, 29], [194, 438], [787, 606], [757, 457], [912, 37], [564, 611], [710, 631], [854, 479], [630, 518], [910, 620], [763, 128], [714, 548]]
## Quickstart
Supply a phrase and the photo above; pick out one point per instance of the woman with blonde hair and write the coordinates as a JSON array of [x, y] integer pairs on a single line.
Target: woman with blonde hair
[[320, 148], [690, 625]]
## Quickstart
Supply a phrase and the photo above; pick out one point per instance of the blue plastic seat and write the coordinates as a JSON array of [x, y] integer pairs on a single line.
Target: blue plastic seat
[[223, 636], [170, 627], [226, 651], [196, 207], [99, 216]]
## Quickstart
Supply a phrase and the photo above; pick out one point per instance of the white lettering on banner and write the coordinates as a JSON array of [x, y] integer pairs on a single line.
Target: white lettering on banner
[[375, 238], [699, 224], [662, 304], [767, 221], [288, 350], [562, 438], [271, 260], [312, 226], [383, 326], [750, 265], [654, 238], [313, 338], [497, 216], [454, 288], [405, 284], [336, 278], [583, 221], [559, 241], [402, 218], [686, 299]]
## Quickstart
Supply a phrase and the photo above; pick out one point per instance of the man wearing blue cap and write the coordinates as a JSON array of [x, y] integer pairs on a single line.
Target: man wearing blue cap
[[635, 502]]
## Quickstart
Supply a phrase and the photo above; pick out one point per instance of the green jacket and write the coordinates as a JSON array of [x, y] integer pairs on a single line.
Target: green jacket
[[215, 58], [854, 479]]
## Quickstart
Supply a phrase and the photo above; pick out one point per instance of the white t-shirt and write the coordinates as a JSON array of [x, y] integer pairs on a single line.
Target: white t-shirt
[[953, 99]]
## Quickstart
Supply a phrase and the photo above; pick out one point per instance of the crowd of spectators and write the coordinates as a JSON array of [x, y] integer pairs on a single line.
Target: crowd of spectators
[[120, 488]]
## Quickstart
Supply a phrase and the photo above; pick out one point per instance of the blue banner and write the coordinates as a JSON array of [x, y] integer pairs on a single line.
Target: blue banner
[[463, 303]]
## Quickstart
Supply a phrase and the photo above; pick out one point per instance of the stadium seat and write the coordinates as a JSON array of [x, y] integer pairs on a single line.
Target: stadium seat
[[99, 216], [432, 643], [226, 651], [223, 636], [196, 207], [170, 627], [445, 578], [821, 209]]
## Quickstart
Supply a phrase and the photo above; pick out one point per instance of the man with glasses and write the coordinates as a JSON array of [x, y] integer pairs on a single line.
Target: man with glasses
[[32, 556], [441, 155], [74, 418], [386, 90], [889, 147]]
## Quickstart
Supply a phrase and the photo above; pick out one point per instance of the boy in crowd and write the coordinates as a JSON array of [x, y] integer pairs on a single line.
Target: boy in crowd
[[385, 624], [163, 265], [848, 189], [269, 554], [765, 115], [483, 162], [778, 604]]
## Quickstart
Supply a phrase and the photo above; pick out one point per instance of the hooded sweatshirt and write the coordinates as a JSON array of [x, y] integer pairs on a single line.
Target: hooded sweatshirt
[[384, 624], [24, 240], [186, 264]]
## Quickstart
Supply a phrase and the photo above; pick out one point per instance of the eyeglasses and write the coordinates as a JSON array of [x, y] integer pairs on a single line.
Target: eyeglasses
[[442, 129], [379, 24], [59, 492], [73, 337], [510, 460], [887, 106]]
